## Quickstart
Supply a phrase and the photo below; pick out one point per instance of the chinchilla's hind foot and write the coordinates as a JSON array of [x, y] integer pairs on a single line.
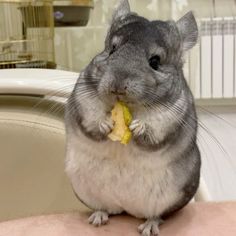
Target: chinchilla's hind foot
[[98, 218], [150, 227]]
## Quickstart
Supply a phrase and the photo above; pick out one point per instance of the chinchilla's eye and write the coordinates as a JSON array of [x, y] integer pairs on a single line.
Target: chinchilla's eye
[[154, 62], [113, 49]]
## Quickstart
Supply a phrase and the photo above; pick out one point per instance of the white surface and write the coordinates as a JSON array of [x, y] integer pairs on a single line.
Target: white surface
[[218, 150], [56, 83], [202, 193]]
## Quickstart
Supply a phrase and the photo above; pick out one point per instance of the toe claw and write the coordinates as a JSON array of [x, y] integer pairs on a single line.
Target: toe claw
[[150, 227], [137, 127], [106, 126], [140, 228], [98, 218]]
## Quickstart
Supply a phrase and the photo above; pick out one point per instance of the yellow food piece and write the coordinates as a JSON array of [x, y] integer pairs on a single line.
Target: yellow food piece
[[126, 138], [122, 117]]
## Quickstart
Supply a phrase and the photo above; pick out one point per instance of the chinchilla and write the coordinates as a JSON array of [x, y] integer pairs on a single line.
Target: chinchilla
[[157, 173]]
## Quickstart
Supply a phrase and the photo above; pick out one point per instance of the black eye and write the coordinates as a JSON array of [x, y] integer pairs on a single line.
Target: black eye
[[154, 62], [112, 49]]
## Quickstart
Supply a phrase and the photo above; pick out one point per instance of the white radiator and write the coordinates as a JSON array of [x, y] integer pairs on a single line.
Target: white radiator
[[211, 64]]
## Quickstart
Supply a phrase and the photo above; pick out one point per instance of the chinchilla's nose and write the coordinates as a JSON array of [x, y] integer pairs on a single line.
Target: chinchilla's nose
[[117, 89], [119, 84]]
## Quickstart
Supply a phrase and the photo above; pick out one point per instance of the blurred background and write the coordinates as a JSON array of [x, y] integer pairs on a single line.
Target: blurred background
[[66, 35]]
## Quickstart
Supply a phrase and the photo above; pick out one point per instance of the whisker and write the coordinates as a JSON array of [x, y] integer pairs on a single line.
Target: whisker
[[215, 115]]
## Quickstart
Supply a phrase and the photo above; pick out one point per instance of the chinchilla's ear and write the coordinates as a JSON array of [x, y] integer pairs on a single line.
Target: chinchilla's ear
[[122, 10], [188, 30]]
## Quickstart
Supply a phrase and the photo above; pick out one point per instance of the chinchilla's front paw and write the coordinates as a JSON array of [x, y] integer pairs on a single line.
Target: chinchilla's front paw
[[137, 127], [97, 129], [143, 135], [106, 126]]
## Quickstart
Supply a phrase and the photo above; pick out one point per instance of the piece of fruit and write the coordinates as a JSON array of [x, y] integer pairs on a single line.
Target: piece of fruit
[[122, 117]]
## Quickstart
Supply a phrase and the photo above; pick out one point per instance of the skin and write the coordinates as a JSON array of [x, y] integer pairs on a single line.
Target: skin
[[196, 219], [164, 123]]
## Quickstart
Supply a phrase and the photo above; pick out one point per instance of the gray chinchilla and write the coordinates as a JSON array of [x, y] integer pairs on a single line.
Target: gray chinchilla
[[158, 172]]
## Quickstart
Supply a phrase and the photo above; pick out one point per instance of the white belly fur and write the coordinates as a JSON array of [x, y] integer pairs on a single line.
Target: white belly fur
[[112, 177]]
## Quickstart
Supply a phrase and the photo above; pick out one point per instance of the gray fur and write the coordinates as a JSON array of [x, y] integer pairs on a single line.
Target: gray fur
[[164, 126], [122, 10], [188, 30]]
